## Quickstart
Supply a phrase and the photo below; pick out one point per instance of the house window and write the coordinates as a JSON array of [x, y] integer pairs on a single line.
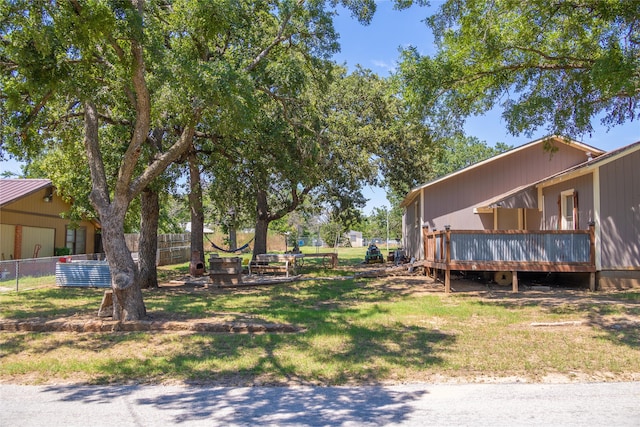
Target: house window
[[568, 210], [77, 240]]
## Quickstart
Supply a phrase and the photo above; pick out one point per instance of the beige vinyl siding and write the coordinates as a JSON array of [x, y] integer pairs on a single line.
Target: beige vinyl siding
[[620, 212]]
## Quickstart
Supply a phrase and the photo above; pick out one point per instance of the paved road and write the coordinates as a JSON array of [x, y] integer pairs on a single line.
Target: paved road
[[599, 404]]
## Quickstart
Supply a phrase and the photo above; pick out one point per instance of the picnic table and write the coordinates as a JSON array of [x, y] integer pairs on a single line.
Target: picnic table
[[276, 263], [329, 259]]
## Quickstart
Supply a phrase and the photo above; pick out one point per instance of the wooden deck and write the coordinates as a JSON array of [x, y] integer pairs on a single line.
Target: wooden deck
[[510, 251]]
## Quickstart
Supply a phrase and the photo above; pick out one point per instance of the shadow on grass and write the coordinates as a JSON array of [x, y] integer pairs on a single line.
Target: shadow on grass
[[352, 335], [348, 339], [13, 344], [616, 314], [50, 302], [311, 406], [334, 353], [44, 343]]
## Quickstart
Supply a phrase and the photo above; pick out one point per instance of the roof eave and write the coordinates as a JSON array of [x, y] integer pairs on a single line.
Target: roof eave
[[595, 152]]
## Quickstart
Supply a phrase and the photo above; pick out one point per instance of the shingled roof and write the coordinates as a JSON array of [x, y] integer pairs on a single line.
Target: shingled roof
[[14, 189]]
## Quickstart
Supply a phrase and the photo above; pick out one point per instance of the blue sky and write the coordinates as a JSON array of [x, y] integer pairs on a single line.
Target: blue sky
[[376, 47]]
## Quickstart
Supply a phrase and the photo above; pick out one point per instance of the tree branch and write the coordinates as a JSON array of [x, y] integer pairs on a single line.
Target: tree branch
[[143, 116], [99, 191], [296, 200], [279, 38], [36, 110], [163, 161], [581, 61]]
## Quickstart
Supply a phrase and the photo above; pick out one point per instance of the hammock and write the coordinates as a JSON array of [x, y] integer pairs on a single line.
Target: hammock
[[230, 251]]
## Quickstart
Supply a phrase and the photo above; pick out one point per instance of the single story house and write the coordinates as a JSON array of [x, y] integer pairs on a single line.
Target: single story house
[[576, 209], [31, 225]]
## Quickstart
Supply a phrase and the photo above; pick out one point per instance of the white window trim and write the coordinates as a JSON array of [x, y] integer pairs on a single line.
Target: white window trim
[[563, 210]]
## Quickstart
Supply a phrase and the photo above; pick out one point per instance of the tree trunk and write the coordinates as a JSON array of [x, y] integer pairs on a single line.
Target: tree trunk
[[195, 203], [127, 296], [233, 238], [262, 224], [260, 242], [263, 217], [148, 245]]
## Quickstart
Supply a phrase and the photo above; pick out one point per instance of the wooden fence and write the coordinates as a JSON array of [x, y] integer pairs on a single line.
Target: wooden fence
[[172, 248]]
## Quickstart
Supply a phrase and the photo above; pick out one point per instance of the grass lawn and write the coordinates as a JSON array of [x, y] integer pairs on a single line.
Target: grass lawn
[[385, 330]]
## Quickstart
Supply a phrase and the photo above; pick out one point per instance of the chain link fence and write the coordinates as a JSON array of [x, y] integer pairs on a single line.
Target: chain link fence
[[33, 273]]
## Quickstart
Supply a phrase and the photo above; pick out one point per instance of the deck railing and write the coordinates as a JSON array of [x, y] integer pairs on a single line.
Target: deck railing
[[510, 250]]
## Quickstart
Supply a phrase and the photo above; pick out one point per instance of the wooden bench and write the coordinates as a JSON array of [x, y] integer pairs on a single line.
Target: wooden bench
[[275, 263], [225, 271]]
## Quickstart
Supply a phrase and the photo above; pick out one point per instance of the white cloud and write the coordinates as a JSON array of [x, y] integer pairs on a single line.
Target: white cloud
[[385, 65]]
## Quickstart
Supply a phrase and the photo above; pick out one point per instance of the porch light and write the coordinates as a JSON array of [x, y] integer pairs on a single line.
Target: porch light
[[447, 227]]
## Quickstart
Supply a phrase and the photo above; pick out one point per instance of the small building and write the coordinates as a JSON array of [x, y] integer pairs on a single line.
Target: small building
[[576, 209], [355, 238], [31, 225], [205, 229]]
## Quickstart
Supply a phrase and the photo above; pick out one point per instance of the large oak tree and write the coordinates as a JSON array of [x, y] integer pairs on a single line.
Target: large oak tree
[[553, 64], [109, 72]]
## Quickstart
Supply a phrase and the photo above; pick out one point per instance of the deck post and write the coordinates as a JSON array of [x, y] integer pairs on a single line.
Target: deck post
[[592, 255], [592, 243], [425, 244], [435, 245], [447, 258], [514, 281]]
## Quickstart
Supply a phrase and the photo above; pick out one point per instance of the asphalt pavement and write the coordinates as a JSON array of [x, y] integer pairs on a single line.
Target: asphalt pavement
[[513, 404]]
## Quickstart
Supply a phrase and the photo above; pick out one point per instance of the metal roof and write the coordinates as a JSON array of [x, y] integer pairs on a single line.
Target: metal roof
[[14, 189]]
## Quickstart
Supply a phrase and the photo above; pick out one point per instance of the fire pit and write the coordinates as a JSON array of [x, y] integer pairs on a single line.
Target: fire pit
[[196, 268]]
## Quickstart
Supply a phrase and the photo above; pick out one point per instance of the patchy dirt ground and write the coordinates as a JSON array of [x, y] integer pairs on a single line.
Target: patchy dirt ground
[[554, 297], [395, 280]]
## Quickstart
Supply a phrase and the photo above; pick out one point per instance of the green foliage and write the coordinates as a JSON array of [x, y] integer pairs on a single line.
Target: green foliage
[[383, 221], [61, 251], [557, 65], [68, 170], [460, 152], [376, 140], [331, 233]]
